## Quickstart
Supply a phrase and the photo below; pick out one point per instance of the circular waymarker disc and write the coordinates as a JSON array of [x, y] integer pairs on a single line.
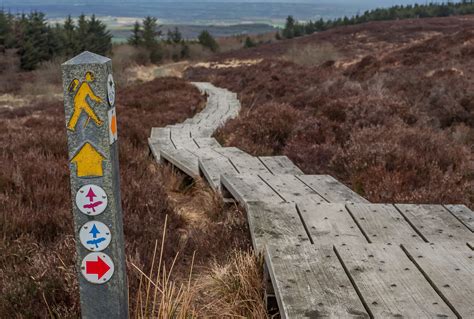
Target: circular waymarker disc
[[97, 268], [111, 90], [91, 200], [95, 236]]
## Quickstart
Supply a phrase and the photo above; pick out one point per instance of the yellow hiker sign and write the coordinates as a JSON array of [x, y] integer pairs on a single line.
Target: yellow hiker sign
[[83, 91], [88, 162]]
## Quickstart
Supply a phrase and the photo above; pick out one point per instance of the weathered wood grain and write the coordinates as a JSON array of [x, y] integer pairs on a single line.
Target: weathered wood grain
[[182, 159], [212, 165], [464, 214], [390, 284], [247, 188], [280, 165], [290, 188], [331, 189], [310, 282], [275, 224], [436, 223], [242, 161], [200, 131], [450, 269], [179, 131], [185, 143], [383, 223], [160, 132], [207, 142], [157, 144], [329, 223]]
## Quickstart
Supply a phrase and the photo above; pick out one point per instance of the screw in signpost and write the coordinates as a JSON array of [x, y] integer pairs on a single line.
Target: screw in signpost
[[91, 122]]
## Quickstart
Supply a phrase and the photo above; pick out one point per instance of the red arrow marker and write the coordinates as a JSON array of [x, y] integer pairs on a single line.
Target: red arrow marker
[[91, 195], [98, 267]]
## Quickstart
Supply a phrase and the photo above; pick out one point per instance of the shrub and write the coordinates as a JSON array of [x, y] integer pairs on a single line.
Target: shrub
[[208, 41], [269, 125]]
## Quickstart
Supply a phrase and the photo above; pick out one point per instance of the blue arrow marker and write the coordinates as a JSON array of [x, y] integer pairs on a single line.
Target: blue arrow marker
[[94, 231], [96, 242]]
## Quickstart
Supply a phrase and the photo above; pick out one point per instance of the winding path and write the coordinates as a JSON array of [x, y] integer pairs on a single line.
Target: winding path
[[328, 251]]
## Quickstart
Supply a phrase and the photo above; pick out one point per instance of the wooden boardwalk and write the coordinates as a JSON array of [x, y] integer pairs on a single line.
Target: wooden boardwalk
[[328, 251]]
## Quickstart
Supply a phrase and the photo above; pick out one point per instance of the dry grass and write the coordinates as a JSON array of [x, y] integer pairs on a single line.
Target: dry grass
[[158, 296], [232, 288], [236, 287]]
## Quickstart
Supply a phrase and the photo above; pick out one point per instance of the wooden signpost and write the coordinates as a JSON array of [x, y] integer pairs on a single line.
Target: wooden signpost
[[89, 102]]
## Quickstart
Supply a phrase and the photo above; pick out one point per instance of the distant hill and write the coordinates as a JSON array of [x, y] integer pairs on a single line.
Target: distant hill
[[202, 12]]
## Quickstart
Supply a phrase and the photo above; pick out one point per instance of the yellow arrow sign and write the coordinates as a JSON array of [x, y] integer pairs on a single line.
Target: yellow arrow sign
[[88, 162]]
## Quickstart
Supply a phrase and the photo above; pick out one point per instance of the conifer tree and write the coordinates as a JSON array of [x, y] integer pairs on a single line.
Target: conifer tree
[[6, 39], [208, 41], [136, 38], [150, 42], [289, 30], [98, 39], [81, 33], [35, 45], [174, 36], [69, 37], [249, 43]]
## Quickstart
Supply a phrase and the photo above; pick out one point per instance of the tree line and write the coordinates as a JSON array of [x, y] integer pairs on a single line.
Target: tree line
[[147, 35], [294, 28], [37, 41]]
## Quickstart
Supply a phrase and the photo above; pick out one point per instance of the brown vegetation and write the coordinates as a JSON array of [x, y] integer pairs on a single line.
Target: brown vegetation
[[37, 274], [389, 111]]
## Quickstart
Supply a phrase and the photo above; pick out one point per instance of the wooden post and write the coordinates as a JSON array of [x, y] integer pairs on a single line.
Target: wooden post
[[89, 98]]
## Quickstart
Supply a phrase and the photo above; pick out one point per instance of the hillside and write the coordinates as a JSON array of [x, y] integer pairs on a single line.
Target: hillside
[[386, 107]]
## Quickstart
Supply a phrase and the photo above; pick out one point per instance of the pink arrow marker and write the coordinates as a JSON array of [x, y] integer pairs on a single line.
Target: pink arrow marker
[[91, 195]]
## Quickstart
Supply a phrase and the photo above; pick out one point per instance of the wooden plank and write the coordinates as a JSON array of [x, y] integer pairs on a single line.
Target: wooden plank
[[382, 223], [436, 223], [242, 161], [247, 188], [179, 132], [202, 130], [185, 143], [389, 283], [464, 214], [450, 269], [280, 165], [160, 132], [156, 144], [331, 189], [212, 165], [329, 223], [207, 142], [290, 188], [183, 159], [311, 283], [275, 224]]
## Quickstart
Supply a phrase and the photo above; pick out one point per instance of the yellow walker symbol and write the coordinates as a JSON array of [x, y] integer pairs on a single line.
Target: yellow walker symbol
[[88, 162], [83, 90]]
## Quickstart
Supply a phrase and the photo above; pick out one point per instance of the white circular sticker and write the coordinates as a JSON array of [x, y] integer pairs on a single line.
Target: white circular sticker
[[91, 200], [95, 236], [97, 268], [111, 90]]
